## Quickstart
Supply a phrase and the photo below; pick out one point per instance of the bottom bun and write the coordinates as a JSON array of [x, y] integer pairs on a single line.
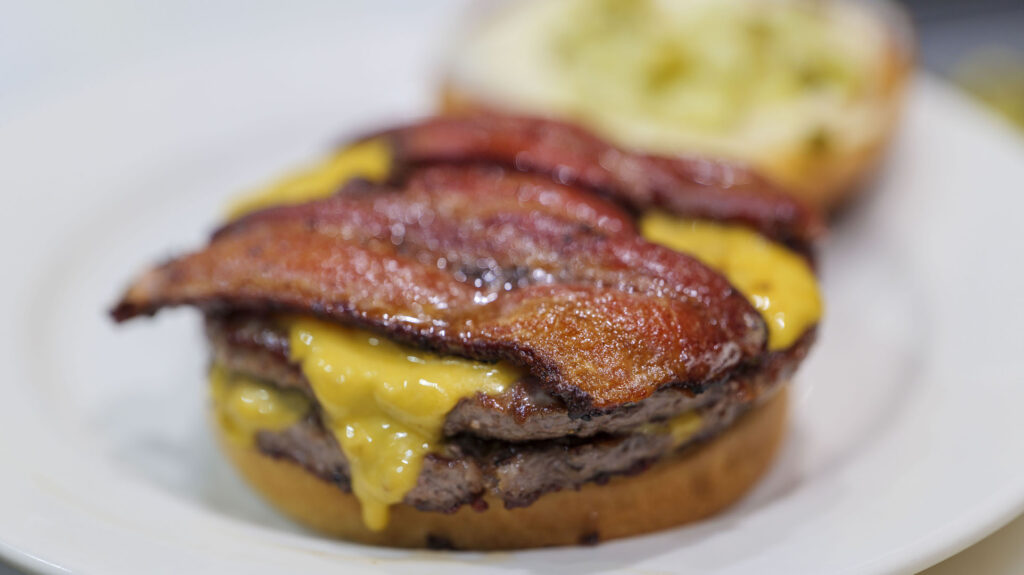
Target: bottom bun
[[679, 489]]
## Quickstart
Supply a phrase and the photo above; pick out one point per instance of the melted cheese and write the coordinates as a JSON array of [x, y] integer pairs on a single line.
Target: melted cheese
[[244, 405], [370, 160], [684, 426], [777, 282], [680, 429], [386, 403]]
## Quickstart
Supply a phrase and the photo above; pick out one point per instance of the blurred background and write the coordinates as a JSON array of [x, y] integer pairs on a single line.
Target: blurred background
[[977, 43], [51, 46]]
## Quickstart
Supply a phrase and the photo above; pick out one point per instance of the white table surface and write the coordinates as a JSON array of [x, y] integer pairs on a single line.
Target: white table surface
[[52, 47]]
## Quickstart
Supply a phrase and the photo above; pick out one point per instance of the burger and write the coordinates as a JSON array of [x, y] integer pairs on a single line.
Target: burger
[[497, 332]]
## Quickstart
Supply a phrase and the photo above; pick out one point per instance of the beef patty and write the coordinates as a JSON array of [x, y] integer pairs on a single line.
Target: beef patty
[[255, 346], [517, 445]]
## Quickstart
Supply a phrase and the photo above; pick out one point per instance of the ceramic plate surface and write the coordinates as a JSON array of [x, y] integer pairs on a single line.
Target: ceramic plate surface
[[905, 443]]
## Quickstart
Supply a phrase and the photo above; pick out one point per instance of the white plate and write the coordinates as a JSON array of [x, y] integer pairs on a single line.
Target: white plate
[[906, 441]]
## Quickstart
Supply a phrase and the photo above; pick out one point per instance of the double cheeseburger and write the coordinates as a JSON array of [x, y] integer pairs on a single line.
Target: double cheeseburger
[[500, 332]]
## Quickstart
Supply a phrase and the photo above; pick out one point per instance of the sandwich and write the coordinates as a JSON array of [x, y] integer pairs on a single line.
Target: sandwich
[[808, 92], [500, 332]]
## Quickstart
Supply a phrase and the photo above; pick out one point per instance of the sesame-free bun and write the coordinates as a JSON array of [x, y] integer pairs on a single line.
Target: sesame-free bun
[[679, 489], [818, 147]]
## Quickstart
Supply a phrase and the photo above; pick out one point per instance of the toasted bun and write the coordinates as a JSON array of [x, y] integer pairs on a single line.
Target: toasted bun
[[825, 176], [830, 179], [680, 489]]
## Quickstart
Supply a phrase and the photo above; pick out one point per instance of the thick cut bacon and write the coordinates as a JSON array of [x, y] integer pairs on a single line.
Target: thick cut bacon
[[687, 186], [482, 263]]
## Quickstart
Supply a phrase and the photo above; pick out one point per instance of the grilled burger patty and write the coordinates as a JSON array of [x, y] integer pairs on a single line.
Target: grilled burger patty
[[517, 445], [255, 346]]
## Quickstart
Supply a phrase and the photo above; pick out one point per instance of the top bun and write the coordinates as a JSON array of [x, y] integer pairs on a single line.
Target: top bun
[[807, 92]]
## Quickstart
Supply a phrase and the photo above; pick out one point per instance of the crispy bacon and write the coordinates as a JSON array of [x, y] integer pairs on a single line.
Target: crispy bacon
[[687, 186], [484, 263]]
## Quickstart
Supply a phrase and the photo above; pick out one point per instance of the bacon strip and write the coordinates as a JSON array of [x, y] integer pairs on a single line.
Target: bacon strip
[[687, 186], [482, 263]]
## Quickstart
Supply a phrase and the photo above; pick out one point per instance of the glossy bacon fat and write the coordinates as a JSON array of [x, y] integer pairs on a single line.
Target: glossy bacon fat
[[485, 263], [687, 186]]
